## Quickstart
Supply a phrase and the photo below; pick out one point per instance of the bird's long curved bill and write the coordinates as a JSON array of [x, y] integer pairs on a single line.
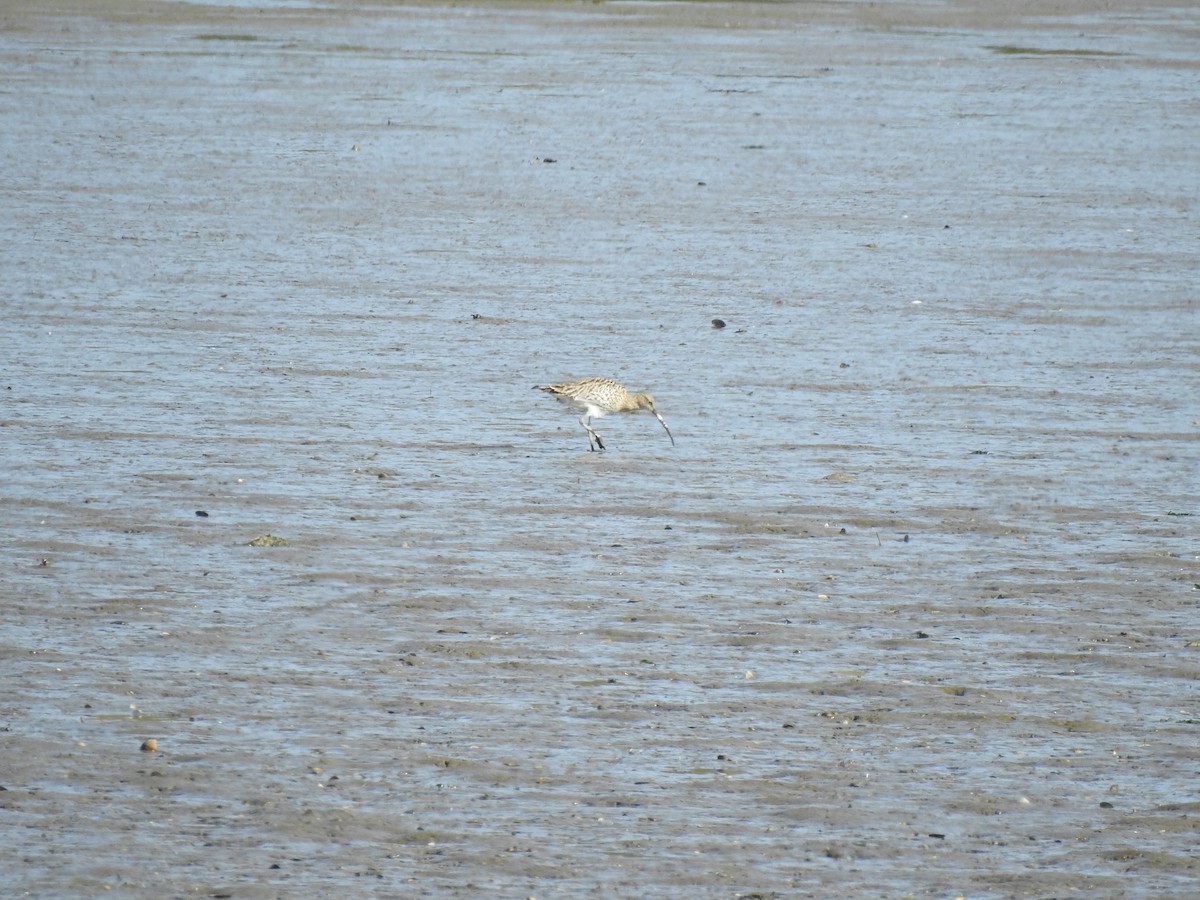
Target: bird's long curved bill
[[664, 425]]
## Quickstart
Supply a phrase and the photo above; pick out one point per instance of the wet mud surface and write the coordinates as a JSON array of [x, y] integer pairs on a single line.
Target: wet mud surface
[[910, 609]]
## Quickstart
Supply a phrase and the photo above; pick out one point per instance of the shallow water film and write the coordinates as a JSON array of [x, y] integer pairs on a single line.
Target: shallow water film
[[307, 593]]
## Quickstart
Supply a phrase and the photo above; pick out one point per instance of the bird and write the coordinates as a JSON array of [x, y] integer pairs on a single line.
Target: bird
[[597, 397]]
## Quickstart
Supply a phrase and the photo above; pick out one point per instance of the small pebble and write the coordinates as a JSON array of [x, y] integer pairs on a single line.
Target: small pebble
[[718, 323], [150, 745]]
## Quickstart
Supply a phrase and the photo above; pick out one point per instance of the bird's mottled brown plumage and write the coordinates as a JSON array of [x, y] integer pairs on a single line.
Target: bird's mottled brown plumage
[[597, 397]]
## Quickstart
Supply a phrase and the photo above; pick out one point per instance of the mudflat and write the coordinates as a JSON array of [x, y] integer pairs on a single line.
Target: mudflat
[[910, 608]]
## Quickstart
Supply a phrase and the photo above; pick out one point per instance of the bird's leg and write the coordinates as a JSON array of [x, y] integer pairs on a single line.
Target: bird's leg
[[592, 436]]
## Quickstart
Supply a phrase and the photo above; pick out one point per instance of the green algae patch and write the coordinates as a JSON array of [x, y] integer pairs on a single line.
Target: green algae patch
[[268, 540]]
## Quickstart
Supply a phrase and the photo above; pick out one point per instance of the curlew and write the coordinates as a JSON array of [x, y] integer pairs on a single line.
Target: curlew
[[597, 397]]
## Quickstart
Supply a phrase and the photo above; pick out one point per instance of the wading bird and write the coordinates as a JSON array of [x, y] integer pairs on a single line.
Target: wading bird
[[597, 397]]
